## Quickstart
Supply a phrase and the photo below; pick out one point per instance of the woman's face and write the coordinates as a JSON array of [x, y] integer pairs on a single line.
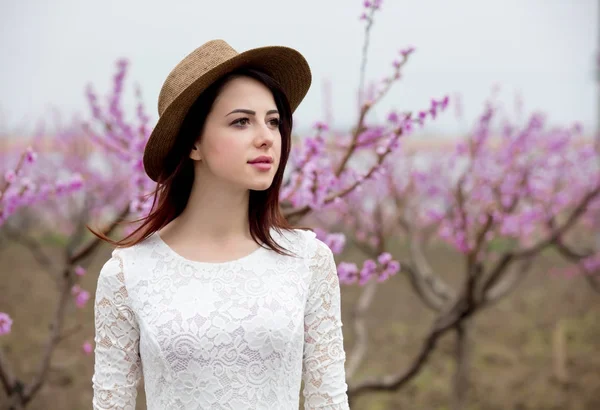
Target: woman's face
[[240, 144]]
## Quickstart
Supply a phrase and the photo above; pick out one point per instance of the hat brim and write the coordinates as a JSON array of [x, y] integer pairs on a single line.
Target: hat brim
[[287, 66]]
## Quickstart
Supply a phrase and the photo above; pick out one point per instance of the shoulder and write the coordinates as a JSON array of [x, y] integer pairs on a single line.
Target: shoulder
[[305, 244], [124, 261], [140, 250]]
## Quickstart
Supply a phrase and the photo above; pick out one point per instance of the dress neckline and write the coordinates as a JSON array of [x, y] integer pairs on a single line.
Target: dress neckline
[[207, 264]]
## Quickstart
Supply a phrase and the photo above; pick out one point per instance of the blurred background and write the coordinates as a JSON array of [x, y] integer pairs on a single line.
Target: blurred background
[[535, 348], [542, 51]]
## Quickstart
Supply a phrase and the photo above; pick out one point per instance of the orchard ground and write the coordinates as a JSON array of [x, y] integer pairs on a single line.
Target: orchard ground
[[512, 366]]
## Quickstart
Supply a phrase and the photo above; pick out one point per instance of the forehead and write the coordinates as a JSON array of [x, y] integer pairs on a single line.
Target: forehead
[[244, 92]]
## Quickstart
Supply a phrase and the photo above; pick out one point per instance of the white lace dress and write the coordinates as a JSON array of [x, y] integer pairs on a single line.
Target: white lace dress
[[233, 335]]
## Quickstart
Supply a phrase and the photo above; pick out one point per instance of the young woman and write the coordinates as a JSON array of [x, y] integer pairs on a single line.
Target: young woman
[[215, 300]]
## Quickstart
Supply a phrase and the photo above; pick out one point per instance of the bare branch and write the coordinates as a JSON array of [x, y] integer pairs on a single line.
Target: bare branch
[[56, 329], [592, 278], [569, 253], [6, 376], [494, 276], [434, 291], [359, 349], [68, 333], [95, 242], [34, 247], [445, 322], [508, 283], [363, 63]]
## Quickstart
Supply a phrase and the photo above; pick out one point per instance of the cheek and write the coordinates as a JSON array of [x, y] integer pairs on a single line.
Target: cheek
[[225, 151]]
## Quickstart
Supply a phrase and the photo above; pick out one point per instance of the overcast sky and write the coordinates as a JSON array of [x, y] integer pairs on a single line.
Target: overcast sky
[[50, 50]]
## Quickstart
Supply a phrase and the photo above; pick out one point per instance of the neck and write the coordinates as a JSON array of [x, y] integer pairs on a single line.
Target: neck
[[215, 212]]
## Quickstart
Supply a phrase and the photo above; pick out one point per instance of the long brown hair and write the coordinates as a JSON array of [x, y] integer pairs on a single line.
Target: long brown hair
[[177, 177]]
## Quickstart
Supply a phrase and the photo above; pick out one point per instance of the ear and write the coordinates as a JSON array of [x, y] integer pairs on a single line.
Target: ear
[[195, 153]]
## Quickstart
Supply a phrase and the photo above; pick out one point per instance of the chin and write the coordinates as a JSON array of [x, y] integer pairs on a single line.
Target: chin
[[259, 186]]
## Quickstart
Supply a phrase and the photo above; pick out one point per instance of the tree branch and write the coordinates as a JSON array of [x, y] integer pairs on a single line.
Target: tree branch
[[6, 376], [431, 288], [592, 278], [494, 276], [459, 312], [508, 284], [297, 213], [560, 231], [359, 349], [34, 247], [55, 329], [93, 244], [56, 335]]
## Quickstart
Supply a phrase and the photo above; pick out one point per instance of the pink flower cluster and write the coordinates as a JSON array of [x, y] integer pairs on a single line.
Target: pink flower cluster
[[370, 6], [510, 184], [123, 140], [381, 269], [314, 177], [21, 188]]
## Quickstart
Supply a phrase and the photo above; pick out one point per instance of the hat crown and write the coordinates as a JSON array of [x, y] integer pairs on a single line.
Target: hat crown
[[194, 65]]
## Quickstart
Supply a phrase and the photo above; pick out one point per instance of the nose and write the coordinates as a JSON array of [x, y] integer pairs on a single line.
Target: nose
[[264, 136]]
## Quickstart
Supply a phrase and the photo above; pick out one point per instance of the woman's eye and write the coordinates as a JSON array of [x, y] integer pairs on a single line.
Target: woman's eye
[[242, 121], [275, 122]]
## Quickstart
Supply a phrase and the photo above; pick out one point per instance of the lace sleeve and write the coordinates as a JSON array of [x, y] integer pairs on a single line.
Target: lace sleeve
[[324, 357], [117, 367]]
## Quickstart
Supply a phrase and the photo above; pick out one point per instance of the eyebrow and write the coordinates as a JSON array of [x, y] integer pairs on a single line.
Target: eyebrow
[[250, 112]]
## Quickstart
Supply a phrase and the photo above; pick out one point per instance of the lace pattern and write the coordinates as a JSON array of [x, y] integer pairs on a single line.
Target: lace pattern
[[117, 369], [233, 335], [324, 355]]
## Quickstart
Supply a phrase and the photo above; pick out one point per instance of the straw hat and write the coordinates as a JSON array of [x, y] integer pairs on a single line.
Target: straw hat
[[202, 67]]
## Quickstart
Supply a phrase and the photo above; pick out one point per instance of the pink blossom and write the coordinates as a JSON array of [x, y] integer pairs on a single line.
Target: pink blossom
[[393, 268], [368, 270], [87, 348], [10, 176], [320, 126], [336, 242], [384, 258], [407, 51], [30, 155], [81, 298], [393, 117], [5, 323], [347, 272]]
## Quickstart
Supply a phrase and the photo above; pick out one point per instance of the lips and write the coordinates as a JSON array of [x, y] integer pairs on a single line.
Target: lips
[[261, 160]]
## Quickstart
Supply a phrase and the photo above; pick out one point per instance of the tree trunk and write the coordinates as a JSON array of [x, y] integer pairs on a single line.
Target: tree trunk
[[13, 403], [462, 355]]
